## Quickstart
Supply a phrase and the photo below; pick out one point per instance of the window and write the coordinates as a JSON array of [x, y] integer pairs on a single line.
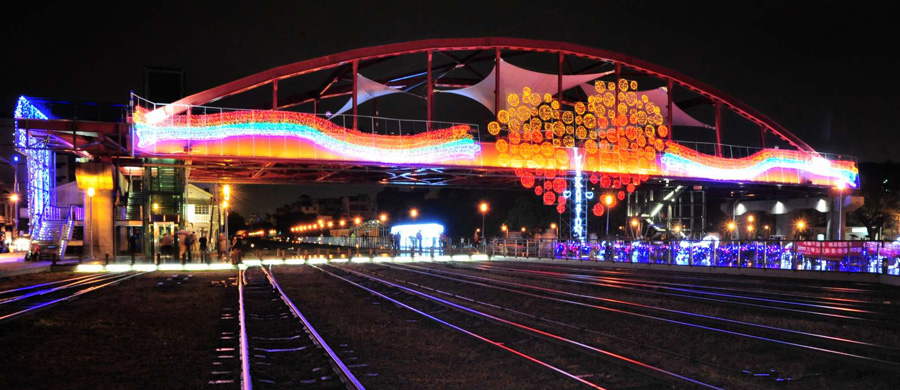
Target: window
[[201, 209]]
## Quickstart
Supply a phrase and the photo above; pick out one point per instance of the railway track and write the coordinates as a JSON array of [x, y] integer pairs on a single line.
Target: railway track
[[847, 288], [844, 350], [278, 346], [761, 289], [584, 364], [864, 312], [19, 302]]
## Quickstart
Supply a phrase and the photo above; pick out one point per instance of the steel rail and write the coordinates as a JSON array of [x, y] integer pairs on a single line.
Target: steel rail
[[465, 331], [880, 289], [637, 366], [796, 297], [651, 289], [839, 355], [339, 367], [761, 296], [33, 286], [87, 281], [246, 383], [44, 305]]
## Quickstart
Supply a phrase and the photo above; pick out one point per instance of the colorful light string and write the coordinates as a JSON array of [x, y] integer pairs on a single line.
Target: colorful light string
[[767, 165], [454, 143]]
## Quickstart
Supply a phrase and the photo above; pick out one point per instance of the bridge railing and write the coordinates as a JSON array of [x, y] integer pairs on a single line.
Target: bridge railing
[[736, 151]]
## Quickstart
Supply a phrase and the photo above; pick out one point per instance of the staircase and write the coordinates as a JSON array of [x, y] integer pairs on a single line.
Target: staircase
[[650, 210], [55, 231], [134, 202], [65, 232]]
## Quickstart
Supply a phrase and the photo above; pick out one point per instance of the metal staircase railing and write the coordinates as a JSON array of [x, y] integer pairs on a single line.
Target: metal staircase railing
[[65, 233]]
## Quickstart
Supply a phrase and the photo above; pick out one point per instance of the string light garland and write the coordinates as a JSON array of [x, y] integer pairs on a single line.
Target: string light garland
[[454, 143], [41, 169], [767, 165]]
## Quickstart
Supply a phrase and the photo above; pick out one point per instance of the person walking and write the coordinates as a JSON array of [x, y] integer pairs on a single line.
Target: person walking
[[204, 251]]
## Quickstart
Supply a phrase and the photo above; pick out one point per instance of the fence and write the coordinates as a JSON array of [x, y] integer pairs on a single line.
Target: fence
[[876, 257]]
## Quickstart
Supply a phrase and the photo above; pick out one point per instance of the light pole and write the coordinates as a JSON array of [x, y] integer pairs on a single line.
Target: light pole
[[414, 213], [555, 227], [731, 227], [634, 227], [801, 226], [841, 185], [15, 199], [90, 193], [226, 192], [608, 200], [505, 229], [484, 208]]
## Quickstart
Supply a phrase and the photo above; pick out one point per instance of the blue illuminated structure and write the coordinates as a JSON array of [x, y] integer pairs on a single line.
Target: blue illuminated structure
[[858, 257], [431, 235], [40, 166]]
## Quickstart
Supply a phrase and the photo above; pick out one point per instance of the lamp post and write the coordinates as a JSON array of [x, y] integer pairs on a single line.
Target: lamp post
[[608, 200], [801, 226], [414, 213], [841, 185], [226, 192], [505, 229], [15, 200], [634, 227], [484, 208], [90, 193], [555, 227]]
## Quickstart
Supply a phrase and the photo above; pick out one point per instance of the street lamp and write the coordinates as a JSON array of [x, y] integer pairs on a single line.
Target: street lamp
[[750, 218], [731, 227], [634, 227], [555, 227], [505, 229], [608, 200], [840, 186], [226, 192], [90, 194], [414, 213], [15, 199], [484, 208]]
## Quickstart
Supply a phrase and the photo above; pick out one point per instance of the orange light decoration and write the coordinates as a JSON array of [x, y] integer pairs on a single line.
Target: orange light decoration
[[535, 137]]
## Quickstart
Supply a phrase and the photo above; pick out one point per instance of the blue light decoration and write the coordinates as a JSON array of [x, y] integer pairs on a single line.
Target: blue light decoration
[[40, 166], [858, 257]]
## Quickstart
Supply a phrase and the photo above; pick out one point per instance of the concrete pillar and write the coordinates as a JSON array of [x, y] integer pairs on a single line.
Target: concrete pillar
[[98, 223]]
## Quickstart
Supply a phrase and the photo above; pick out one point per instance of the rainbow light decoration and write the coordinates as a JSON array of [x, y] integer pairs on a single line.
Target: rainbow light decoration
[[767, 165], [454, 143], [40, 165]]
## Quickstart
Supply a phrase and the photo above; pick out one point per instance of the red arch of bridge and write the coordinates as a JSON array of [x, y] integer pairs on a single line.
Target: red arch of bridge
[[272, 75]]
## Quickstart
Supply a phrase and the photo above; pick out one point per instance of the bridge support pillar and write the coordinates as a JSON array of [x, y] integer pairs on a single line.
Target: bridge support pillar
[[99, 209], [98, 223]]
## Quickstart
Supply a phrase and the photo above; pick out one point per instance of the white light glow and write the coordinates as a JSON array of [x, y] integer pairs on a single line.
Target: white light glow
[[89, 268], [144, 267], [431, 235], [170, 267], [273, 262], [118, 267]]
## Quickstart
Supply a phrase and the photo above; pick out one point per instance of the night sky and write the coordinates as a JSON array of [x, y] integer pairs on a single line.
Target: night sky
[[824, 71]]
